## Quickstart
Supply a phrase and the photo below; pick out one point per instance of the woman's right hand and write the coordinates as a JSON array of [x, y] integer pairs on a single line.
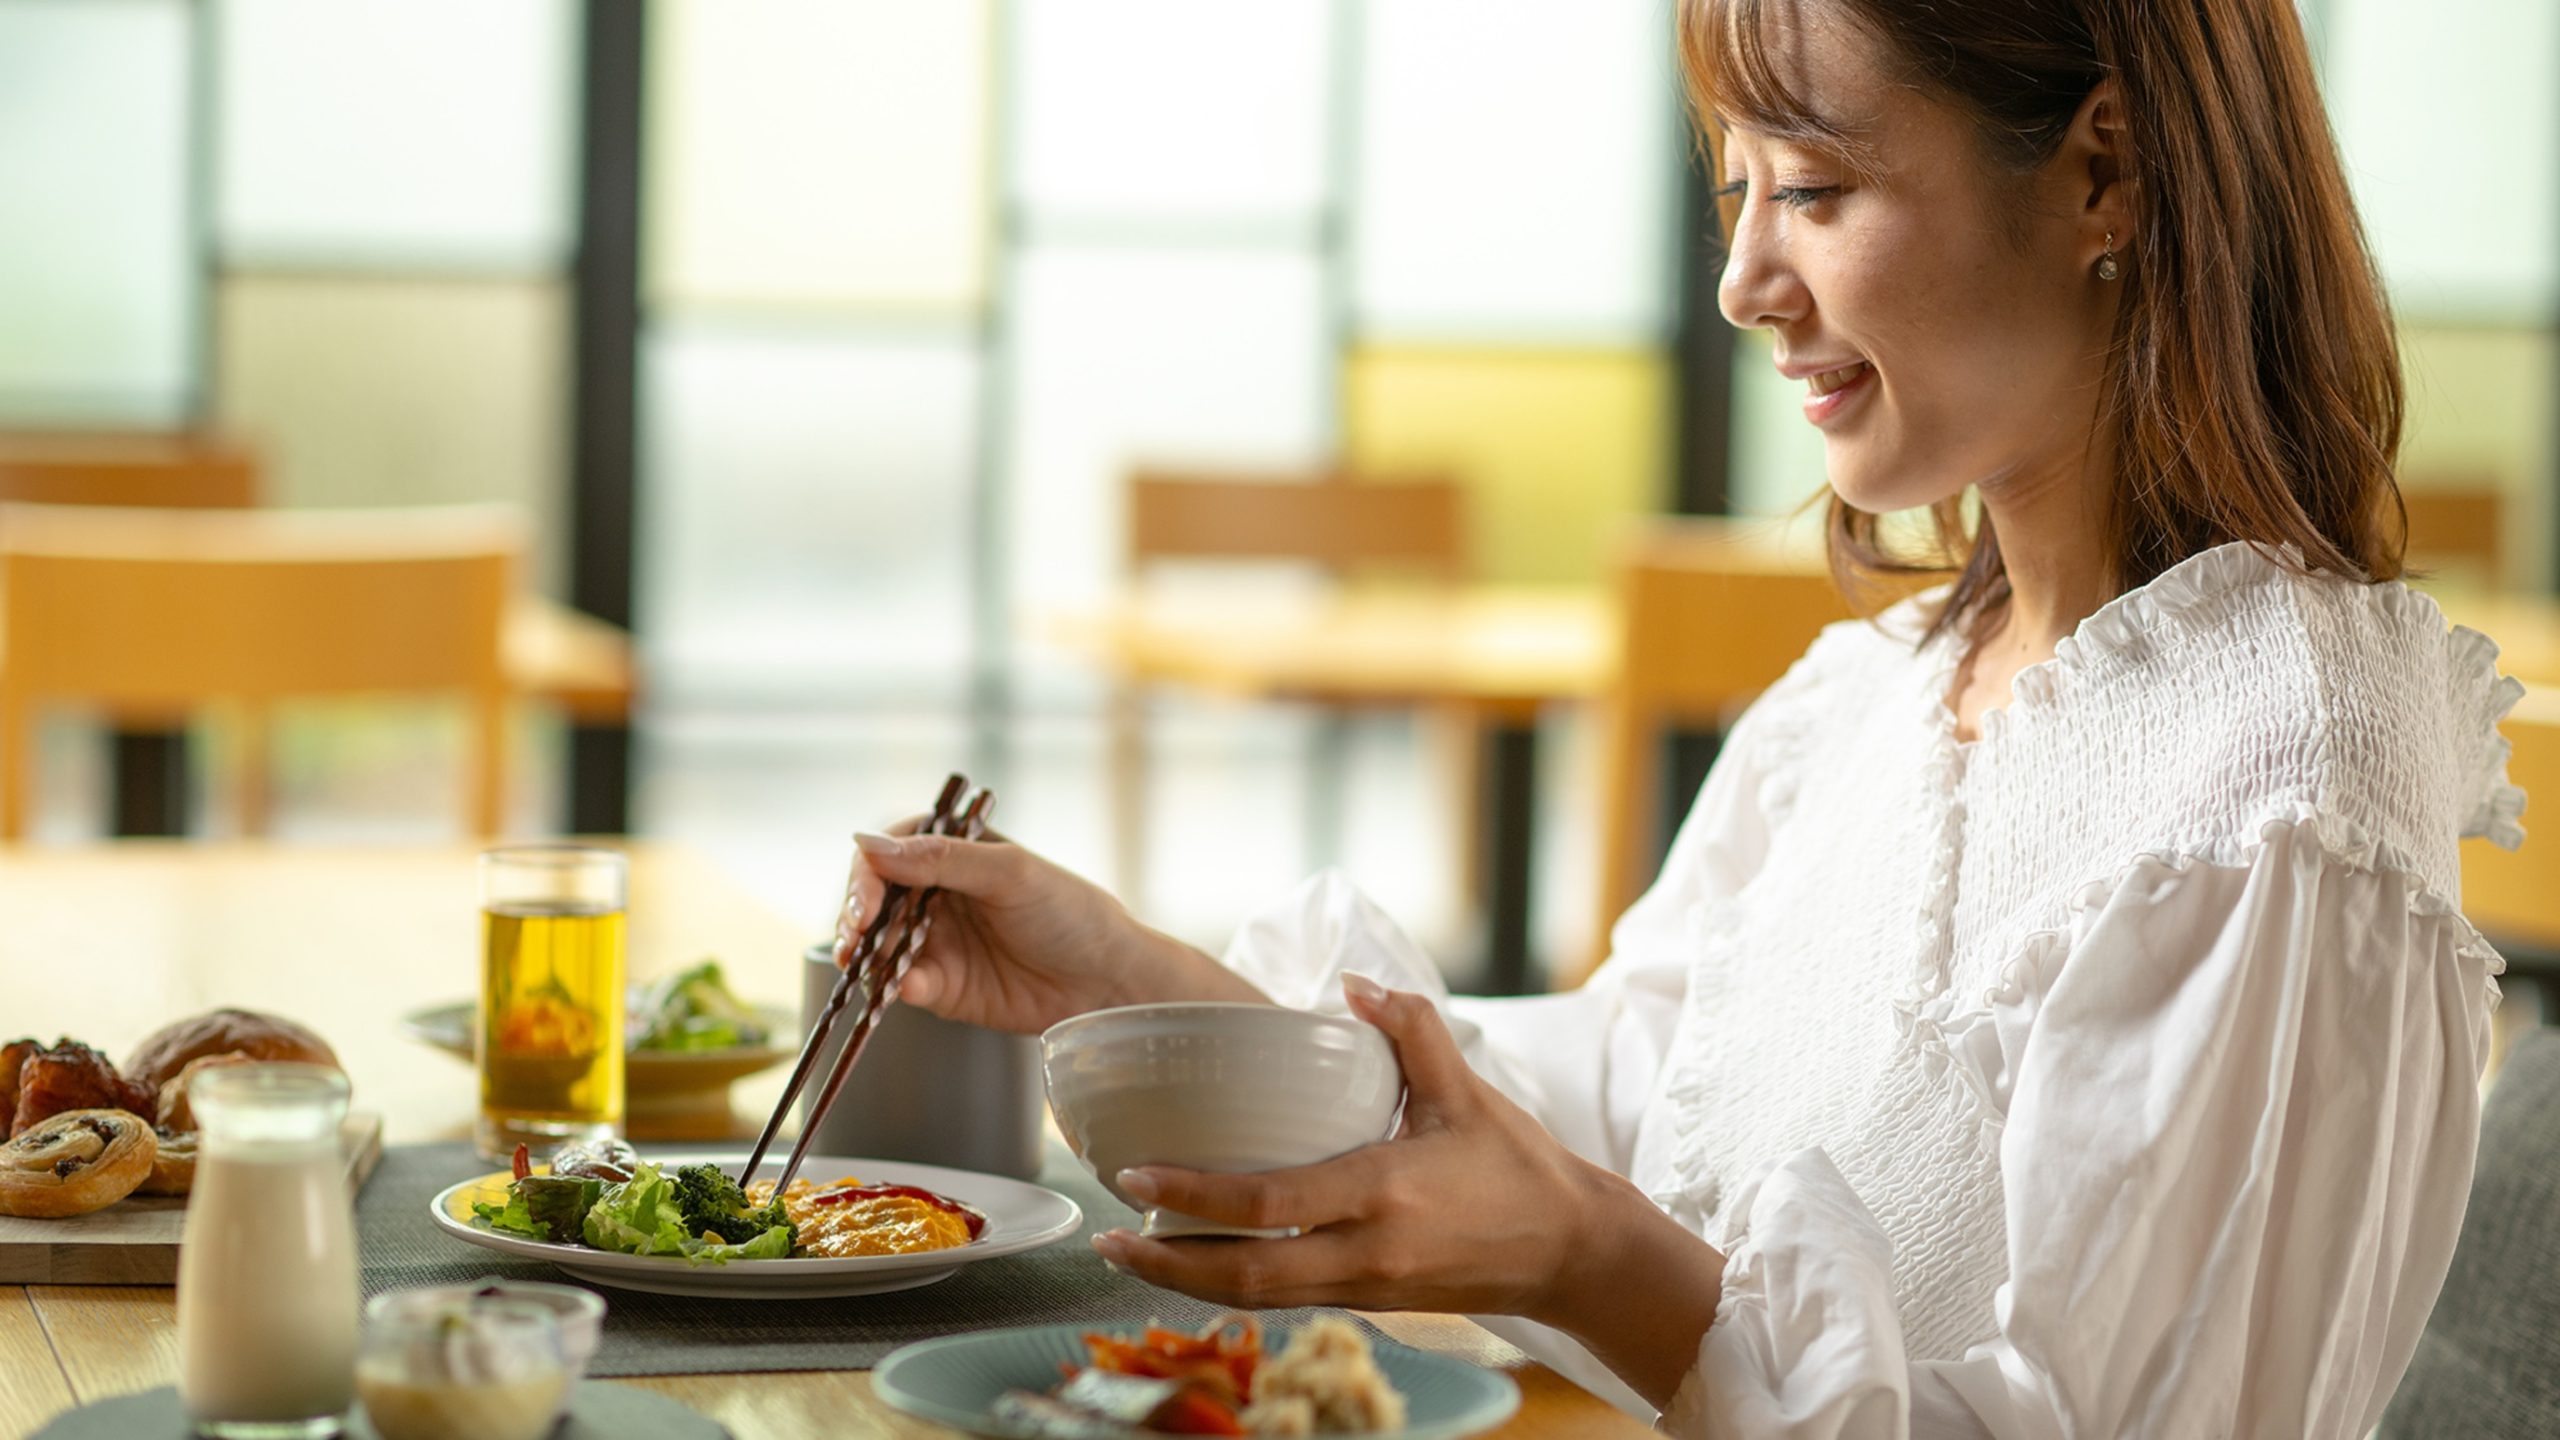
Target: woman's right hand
[[1019, 943]]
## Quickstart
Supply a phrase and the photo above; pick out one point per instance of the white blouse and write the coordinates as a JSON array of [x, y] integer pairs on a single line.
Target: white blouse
[[2113, 1074]]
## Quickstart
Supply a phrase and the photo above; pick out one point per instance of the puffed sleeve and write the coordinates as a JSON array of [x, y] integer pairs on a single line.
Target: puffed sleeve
[[1583, 1061], [2241, 1120]]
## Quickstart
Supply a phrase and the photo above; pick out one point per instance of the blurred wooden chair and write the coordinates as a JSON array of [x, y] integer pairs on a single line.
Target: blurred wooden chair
[[1338, 521], [2457, 524], [1710, 614], [155, 615], [175, 471]]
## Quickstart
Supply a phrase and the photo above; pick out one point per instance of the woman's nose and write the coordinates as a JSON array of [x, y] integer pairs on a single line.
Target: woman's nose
[[1759, 289]]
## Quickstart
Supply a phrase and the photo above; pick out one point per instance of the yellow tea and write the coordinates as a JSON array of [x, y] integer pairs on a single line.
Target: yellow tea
[[551, 1008]]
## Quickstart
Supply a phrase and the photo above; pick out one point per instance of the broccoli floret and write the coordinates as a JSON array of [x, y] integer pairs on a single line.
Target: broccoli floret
[[713, 1203], [693, 1010]]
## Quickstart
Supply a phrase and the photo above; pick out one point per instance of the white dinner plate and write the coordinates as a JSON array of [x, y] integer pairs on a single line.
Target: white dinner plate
[[1020, 1217]]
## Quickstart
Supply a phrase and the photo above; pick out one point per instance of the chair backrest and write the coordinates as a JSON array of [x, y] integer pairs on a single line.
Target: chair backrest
[[2488, 1366], [2458, 521], [1335, 519], [159, 613], [165, 472], [1711, 612]]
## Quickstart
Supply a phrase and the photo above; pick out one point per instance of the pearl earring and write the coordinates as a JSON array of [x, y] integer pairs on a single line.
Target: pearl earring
[[2107, 262]]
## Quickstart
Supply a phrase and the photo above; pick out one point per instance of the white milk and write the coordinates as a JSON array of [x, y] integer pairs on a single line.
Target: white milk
[[267, 1286]]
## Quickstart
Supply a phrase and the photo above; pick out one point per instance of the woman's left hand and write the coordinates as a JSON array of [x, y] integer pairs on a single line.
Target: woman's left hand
[[1473, 1207]]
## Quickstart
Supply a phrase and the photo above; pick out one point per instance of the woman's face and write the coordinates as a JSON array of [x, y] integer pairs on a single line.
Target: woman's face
[[1942, 340]]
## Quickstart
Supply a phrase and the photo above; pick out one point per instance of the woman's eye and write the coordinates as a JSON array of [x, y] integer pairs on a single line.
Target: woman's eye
[[1803, 196], [1729, 190]]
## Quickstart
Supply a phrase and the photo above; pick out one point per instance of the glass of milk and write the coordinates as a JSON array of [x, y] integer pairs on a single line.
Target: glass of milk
[[267, 1266]]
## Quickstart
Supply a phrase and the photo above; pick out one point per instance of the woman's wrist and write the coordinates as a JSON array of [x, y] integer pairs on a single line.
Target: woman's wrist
[[1634, 1287], [1174, 971]]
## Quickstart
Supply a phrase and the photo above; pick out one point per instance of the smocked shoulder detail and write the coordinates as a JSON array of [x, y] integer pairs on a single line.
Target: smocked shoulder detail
[[1959, 1031]]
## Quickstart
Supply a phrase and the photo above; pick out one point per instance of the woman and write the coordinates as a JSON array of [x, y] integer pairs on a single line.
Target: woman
[[2053, 1018]]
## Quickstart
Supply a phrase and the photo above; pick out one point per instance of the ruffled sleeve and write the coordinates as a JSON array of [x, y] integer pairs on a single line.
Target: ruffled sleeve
[[1584, 1061], [2239, 1141]]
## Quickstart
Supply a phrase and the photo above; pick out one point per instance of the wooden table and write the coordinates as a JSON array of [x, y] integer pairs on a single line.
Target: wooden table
[[107, 943], [1500, 654]]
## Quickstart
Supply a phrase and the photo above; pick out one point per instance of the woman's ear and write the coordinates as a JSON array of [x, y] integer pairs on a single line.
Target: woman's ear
[[2095, 160]]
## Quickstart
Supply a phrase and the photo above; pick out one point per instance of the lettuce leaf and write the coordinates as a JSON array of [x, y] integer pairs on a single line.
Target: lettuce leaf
[[640, 1216], [542, 1207]]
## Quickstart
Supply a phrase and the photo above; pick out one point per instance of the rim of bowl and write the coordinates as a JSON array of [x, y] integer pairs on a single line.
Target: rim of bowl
[[1060, 1031]]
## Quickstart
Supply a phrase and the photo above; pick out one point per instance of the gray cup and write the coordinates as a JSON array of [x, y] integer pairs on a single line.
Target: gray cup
[[927, 1089]]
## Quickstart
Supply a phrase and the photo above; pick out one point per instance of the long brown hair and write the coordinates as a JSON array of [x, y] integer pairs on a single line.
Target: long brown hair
[[2253, 381]]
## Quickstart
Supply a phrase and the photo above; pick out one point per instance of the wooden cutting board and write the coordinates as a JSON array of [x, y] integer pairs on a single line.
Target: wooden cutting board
[[135, 1241]]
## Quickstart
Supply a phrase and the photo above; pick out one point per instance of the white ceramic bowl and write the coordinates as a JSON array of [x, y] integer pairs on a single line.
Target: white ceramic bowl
[[1219, 1087]]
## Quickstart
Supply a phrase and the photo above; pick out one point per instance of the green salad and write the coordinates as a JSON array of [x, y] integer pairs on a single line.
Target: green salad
[[698, 1215], [693, 1010]]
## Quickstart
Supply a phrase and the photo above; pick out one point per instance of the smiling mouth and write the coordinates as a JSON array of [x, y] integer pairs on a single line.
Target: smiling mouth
[[1830, 381]]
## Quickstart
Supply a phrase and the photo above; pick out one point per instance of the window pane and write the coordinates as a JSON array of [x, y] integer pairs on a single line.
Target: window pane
[[1556, 447], [2450, 128], [1149, 109], [1129, 355], [1517, 168], [821, 151], [807, 504], [402, 392], [388, 132], [98, 272]]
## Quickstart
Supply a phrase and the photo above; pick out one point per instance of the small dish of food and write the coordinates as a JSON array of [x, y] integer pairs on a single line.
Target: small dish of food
[[435, 1366], [1216, 1086], [1066, 1382], [680, 1224], [686, 1039]]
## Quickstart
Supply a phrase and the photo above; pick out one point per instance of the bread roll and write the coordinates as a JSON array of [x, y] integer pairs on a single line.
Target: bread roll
[[173, 1164], [157, 1060], [177, 1112], [76, 1162]]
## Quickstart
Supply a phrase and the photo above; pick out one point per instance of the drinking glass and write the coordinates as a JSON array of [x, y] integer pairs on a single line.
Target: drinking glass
[[487, 1368], [549, 1038], [267, 1261]]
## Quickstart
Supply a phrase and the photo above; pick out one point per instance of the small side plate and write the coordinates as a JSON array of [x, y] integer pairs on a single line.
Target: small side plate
[[957, 1379]]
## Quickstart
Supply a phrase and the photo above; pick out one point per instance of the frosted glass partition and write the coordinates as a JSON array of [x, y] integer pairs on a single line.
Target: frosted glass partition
[[1137, 110], [388, 132], [806, 504], [1518, 168], [99, 278], [364, 391], [1556, 448], [819, 152], [1124, 355], [2450, 127]]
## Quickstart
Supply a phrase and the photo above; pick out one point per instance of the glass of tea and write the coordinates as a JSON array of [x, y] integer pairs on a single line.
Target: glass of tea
[[549, 1039]]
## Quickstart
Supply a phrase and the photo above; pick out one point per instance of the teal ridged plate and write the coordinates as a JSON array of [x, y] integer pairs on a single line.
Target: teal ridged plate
[[955, 1380]]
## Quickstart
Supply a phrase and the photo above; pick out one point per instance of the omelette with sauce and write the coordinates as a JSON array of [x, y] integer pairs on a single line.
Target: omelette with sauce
[[845, 1218]]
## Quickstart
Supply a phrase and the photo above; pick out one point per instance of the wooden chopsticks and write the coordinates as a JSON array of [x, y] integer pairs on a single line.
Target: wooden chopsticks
[[873, 964]]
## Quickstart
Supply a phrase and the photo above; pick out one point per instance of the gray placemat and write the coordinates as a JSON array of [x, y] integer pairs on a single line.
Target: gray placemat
[[400, 1247]]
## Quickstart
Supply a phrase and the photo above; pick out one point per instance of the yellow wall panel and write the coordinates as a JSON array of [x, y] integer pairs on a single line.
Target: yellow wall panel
[[1558, 446]]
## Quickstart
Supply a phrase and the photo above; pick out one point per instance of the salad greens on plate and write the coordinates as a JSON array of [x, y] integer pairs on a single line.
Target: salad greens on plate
[[693, 1009], [698, 1214]]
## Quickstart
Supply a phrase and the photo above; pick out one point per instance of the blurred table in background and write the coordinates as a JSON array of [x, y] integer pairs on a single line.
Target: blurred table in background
[[1503, 653], [108, 943]]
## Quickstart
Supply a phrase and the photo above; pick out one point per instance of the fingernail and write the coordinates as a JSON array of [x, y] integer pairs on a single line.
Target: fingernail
[[1112, 1248], [1138, 1185], [875, 844], [1363, 989]]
